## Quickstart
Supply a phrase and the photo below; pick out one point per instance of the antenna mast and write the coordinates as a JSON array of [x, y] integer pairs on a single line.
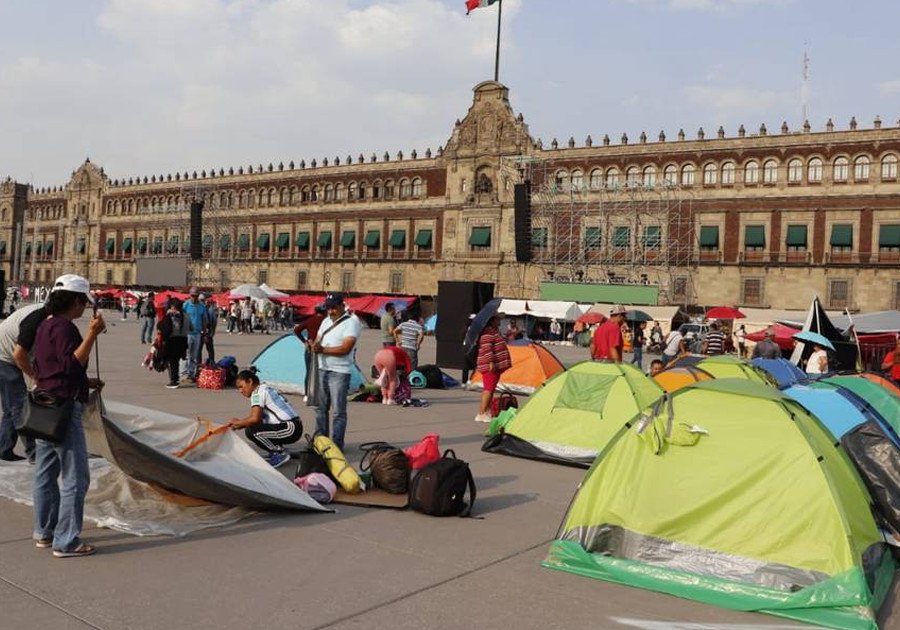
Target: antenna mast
[[804, 88]]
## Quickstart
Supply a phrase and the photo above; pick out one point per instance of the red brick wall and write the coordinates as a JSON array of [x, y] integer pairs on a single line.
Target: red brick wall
[[865, 234], [732, 236]]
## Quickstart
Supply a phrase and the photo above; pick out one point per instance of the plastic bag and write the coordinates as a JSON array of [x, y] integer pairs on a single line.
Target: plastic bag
[[424, 452]]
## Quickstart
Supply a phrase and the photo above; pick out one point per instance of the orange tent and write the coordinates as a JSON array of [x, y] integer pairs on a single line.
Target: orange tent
[[532, 365], [678, 376]]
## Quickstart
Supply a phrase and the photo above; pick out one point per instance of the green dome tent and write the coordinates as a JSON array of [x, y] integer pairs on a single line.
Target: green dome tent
[[727, 366], [732, 495], [882, 400], [575, 413]]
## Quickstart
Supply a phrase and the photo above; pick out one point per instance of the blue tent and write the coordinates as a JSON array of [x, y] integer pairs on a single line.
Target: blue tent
[[839, 410], [782, 370], [282, 365], [431, 323]]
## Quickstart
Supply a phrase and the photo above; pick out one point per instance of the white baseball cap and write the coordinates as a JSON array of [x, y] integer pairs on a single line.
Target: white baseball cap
[[618, 309], [73, 283]]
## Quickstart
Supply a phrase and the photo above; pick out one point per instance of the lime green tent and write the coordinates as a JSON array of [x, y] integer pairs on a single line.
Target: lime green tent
[[728, 366], [880, 398], [575, 413], [732, 495]]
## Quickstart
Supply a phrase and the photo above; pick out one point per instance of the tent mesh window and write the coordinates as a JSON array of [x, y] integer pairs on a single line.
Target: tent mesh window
[[752, 291], [839, 294], [709, 237], [754, 238], [796, 238]]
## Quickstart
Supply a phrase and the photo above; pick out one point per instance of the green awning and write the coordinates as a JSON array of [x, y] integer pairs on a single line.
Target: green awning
[[157, 245], [110, 245], [28, 247], [796, 236], [373, 239], [225, 241], [243, 242], [592, 237], [283, 241], [2, 248], [842, 235], [348, 238], [652, 236], [709, 236], [621, 236], [539, 237], [40, 249], [262, 241], [754, 236], [207, 241], [398, 238], [480, 237], [141, 244], [126, 245], [303, 240], [889, 236], [173, 244], [49, 247], [324, 240], [423, 238]]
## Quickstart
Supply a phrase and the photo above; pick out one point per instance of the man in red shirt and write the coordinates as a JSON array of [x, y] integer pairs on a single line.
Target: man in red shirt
[[608, 342]]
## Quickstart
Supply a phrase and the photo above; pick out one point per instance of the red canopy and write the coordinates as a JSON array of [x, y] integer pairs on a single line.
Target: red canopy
[[783, 335], [724, 312], [592, 317], [305, 304]]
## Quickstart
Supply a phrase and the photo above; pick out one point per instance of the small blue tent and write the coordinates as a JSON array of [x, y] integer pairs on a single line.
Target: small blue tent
[[282, 365], [431, 324], [782, 370]]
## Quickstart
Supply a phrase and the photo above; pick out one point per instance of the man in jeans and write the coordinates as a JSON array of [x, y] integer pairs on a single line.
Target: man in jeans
[[17, 333], [195, 312], [147, 315], [212, 320], [334, 346]]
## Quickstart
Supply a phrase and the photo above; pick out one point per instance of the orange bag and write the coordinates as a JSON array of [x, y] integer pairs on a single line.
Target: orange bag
[[424, 452]]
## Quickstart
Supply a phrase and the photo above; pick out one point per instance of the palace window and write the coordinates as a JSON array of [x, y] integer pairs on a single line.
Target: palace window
[[709, 174], [632, 177], [416, 187], [339, 192], [796, 239], [649, 176], [728, 173], [480, 238], [795, 171], [687, 175], [398, 239], [262, 276], [561, 181], [592, 238], [752, 291], [754, 238], [346, 280], [621, 237], [889, 167], [839, 294], [841, 169], [577, 181], [770, 172], [889, 238], [597, 179], [612, 178], [670, 175], [814, 172], [841, 238], [539, 238], [302, 280], [709, 237], [424, 239], [405, 189], [751, 172], [389, 189], [861, 169], [396, 282], [352, 191], [652, 237], [329, 192]]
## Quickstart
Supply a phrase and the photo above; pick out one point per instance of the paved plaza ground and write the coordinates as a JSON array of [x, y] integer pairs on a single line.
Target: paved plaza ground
[[356, 568]]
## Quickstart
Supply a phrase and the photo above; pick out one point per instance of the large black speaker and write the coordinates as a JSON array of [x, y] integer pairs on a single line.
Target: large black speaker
[[456, 301], [522, 207], [196, 230]]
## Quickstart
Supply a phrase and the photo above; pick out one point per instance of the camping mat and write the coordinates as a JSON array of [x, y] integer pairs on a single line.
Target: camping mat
[[374, 497], [118, 502]]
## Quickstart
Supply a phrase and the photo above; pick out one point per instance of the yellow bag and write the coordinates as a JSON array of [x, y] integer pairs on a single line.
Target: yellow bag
[[337, 464]]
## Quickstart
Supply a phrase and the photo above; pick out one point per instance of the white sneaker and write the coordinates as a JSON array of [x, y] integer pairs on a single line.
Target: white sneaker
[[483, 417]]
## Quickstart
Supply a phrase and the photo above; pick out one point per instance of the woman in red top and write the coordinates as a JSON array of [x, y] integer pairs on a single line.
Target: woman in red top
[[493, 360], [388, 361], [895, 365]]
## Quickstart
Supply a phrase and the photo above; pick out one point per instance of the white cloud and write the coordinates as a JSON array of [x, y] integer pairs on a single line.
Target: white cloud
[[731, 103], [889, 87], [204, 83]]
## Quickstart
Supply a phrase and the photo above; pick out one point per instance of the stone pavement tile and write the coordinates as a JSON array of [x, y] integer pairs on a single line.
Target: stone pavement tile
[[16, 522], [20, 610]]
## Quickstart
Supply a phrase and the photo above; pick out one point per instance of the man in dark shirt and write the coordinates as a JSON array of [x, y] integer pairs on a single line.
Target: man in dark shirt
[[767, 348]]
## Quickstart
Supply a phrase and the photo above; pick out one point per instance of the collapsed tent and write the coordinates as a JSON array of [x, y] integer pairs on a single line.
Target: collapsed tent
[[678, 376], [576, 413], [222, 468], [281, 364], [781, 370], [786, 531], [532, 365], [845, 351], [878, 397]]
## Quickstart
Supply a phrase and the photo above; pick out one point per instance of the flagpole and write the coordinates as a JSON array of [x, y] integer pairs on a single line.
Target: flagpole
[[497, 55]]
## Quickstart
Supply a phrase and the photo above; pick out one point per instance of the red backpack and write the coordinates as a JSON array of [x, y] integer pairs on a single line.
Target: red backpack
[[502, 403]]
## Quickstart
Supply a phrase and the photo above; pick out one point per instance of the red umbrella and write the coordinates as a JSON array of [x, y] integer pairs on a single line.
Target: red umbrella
[[724, 312], [592, 318]]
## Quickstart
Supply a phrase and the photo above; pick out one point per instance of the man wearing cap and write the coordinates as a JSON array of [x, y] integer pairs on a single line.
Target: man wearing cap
[[608, 340], [195, 312], [334, 347], [767, 348]]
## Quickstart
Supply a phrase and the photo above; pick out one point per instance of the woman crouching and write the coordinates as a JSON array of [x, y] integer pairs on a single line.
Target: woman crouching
[[272, 422]]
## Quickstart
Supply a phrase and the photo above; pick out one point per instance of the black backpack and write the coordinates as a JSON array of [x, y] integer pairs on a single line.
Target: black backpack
[[440, 487]]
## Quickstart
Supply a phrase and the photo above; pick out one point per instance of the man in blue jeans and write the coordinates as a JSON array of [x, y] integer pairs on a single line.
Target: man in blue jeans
[[195, 312], [147, 316], [334, 348]]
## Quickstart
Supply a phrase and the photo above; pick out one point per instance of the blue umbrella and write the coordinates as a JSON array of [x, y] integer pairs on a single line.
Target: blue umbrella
[[816, 338], [479, 322]]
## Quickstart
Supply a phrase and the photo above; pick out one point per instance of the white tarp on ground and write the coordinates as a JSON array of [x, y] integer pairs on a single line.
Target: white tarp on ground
[[543, 309]]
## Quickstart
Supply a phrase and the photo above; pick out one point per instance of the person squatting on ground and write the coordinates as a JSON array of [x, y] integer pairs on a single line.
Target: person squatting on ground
[[272, 422], [390, 363], [61, 475], [147, 315], [493, 360], [173, 330], [334, 347]]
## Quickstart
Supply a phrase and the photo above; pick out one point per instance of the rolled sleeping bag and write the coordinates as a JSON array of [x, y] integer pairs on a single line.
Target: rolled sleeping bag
[[417, 380], [337, 464]]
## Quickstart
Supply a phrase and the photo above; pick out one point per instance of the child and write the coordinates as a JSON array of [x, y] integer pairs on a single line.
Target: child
[[272, 421], [656, 366]]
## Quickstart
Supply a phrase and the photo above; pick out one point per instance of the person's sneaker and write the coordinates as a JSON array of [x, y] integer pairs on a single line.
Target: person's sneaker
[[43, 543], [172, 386], [483, 417], [11, 457], [279, 459]]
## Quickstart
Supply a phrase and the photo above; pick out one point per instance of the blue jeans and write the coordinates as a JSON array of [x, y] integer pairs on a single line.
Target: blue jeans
[[413, 357], [147, 326], [194, 347], [59, 509], [638, 358], [333, 391], [12, 398]]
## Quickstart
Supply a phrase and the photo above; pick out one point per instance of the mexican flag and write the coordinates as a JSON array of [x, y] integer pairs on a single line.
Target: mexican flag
[[471, 5]]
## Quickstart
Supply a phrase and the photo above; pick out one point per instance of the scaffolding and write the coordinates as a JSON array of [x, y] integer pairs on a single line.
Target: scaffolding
[[604, 228]]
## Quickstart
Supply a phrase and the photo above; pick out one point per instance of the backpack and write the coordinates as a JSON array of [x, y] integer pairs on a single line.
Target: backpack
[[440, 487], [317, 485], [502, 403], [389, 466]]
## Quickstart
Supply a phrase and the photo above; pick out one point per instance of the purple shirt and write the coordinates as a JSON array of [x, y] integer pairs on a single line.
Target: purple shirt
[[58, 371]]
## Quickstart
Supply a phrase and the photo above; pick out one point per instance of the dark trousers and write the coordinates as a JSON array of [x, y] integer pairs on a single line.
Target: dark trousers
[[12, 397], [270, 437]]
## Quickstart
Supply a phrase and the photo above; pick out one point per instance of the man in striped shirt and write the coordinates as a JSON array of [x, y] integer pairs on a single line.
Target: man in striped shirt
[[409, 335], [715, 340]]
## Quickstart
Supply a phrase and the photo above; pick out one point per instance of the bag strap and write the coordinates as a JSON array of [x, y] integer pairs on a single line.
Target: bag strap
[[372, 450], [451, 452], [471, 480], [340, 319]]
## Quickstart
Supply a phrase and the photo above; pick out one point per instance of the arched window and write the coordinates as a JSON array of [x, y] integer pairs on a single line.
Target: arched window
[[861, 169], [329, 192], [687, 175], [261, 199], [841, 169], [304, 194], [405, 189], [314, 193], [417, 187], [389, 189], [751, 172], [283, 197], [339, 192], [728, 173], [889, 167], [649, 176], [251, 198], [560, 181], [633, 177], [352, 191], [670, 175], [270, 196], [795, 171], [362, 190], [295, 195], [770, 172], [710, 173], [814, 171], [577, 181], [596, 179], [612, 178], [377, 189]]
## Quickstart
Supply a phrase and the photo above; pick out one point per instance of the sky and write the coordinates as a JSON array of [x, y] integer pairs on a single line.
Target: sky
[[149, 87]]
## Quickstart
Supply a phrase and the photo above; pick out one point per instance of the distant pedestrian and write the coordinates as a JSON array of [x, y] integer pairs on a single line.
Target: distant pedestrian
[[493, 360], [173, 329], [234, 318], [637, 345], [409, 336], [767, 348], [209, 332], [740, 336], [555, 330], [715, 341], [388, 323], [607, 341], [246, 316], [195, 311], [147, 314], [817, 363]]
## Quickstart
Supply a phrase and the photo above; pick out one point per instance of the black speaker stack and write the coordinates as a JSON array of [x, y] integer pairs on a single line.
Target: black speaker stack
[[522, 207], [456, 301], [196, 230]]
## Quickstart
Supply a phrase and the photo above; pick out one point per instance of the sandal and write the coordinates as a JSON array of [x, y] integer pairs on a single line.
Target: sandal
[[43, 543], [83, 549]]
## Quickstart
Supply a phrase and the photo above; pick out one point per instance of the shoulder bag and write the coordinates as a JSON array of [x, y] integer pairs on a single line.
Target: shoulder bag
[[45, 416]]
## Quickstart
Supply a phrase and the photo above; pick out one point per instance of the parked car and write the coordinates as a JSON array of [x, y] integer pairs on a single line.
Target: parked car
[[694, 334]]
